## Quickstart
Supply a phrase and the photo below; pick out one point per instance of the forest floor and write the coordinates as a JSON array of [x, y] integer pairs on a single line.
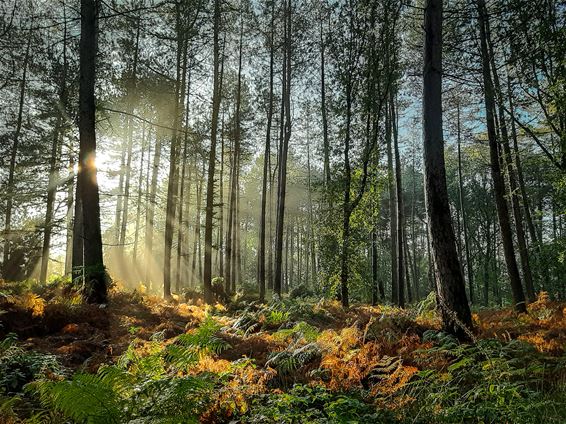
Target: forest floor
[[298, 360]]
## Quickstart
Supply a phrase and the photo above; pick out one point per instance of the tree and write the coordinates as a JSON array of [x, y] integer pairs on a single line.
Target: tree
[[451, 291], [266, 157], [283, 147], [496, 174], [212, 159], [94, 275]]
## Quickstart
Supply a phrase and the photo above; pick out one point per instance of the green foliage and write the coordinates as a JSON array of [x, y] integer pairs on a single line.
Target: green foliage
[[18, 366], [489, 382], [304, 404], [140, 388], [276, 317], [300, 330], [291, 359]]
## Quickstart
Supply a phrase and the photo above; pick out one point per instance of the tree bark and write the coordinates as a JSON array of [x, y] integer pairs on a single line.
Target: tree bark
[[266, 156], [469, 265], [326, 143], [400, 221], [12, 167], [497, 176], [209, 213], [94, 273], [392, 210], [284, 148], [53, 165], [451, 290]]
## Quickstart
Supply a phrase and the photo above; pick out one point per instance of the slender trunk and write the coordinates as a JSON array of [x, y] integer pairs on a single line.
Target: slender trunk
[[221, 201], [139, 198], [196, 241], [173, 180], [209, 214], [311, 219], [12, 166], [150, 216], [392, 210], [266, 156], [374, 268], [281, 195], [128, 171], [513, 189], [400, 221], [230, 223], [469, 265], [497, 176], [487, 265], [518, 166], [238, 249], [180, 229], [69, 217], [326, 143], [407, 259], [53, 166]]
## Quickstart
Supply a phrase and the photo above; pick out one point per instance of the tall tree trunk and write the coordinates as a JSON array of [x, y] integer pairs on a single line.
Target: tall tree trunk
[[326, 143], [95, 276], [69, 217], [180, 227], [139, 196], [284, 149], [219, 260], [497, 176], [53, 164], [311, 237], [221, 246], [180, 223], [12, 167], [487, 265], [469, 265], [173, 181], [374, 268], [230, 224], [518, 166], [451, 288], [513, 189], [149, 225], [209, 214], [392, 210], [400, 221], [266, 156], [197, 241], [128, 171]]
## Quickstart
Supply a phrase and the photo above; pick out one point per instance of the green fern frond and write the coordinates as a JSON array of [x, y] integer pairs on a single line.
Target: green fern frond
[[86, 398]]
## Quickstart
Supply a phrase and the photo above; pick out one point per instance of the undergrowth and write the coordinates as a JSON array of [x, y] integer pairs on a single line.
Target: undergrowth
[[293, 361]]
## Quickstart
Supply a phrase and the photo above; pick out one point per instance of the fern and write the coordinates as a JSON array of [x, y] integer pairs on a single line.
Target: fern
[[85, 398]]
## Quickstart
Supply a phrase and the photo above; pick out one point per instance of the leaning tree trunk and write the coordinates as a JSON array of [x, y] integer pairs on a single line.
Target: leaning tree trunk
[[497, 176], [451, 288], [512, 180]]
